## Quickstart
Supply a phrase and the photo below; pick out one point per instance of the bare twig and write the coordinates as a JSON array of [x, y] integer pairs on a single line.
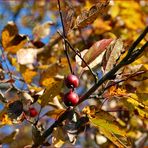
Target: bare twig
[[79, 55], [64, 34]]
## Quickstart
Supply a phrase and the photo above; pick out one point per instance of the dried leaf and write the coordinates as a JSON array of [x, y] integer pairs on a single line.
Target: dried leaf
[[68, 19], [41, 31], [112, 54], [94, 55], [88, 17], [11, 40]]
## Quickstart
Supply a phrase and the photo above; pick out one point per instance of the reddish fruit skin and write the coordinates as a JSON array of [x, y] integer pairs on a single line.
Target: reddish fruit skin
[[72, 81], [32, 112], [71, 98]]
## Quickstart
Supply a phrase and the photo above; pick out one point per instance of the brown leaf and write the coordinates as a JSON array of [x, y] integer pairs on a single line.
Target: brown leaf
[[41, 31], [88, 17], [11, 40], [112, 54], [68, 19]]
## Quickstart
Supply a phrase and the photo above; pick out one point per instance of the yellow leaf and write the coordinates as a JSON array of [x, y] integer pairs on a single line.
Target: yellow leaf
[[48, 81], [114, 139], [51, 74], [51, 91], [28, 75], [114, 91], [129, 15], [55, 113], [101, 26], [106, 121], [11, 40], [138, 107], [114, 11], [58, 137], [5, 120]]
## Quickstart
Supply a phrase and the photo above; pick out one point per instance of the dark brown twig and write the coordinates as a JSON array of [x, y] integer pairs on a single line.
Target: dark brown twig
[[79, 55], [64, 34]]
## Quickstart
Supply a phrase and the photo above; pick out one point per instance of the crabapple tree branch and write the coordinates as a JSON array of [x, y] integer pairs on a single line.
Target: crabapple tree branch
[[126, 60]]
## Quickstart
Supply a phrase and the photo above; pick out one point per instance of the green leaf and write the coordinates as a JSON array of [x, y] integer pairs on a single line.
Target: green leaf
[[113, 138], [136, 106], [106, 121]]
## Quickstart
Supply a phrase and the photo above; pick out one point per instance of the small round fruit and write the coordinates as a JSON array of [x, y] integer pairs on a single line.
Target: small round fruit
[[71, 98], [32, 112], [72, 81]]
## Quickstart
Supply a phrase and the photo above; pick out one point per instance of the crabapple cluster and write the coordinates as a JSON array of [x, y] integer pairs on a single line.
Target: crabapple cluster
[[71, 98]]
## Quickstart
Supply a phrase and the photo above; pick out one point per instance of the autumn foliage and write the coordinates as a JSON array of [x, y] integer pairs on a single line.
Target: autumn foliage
[[84, 84]]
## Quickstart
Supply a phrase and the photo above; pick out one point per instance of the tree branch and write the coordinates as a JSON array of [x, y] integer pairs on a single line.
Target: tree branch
[[79, 55], [116, 68], [96, 86], [65, 36]]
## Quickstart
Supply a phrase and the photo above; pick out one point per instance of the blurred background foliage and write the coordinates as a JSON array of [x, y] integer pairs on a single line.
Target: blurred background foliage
[[121, 19]]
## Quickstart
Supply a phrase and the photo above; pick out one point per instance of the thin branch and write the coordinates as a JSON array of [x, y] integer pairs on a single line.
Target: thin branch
[[64, 34], [116, 68], [136, 53], [125, 79], [79, 55], [93, 89]]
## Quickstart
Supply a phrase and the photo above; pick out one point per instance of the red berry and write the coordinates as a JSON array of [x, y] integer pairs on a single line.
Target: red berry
[[71, 98], [32, 112], [72, 81]]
